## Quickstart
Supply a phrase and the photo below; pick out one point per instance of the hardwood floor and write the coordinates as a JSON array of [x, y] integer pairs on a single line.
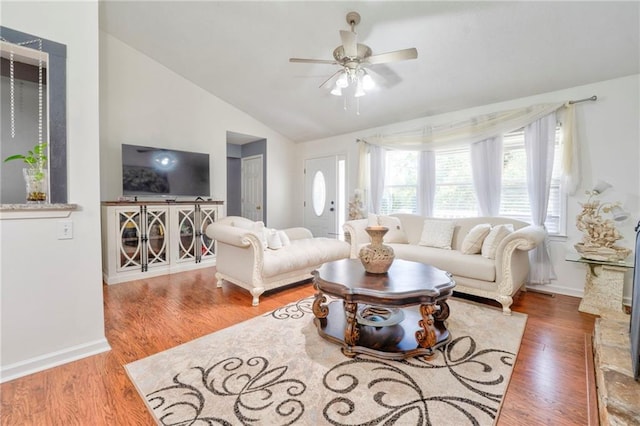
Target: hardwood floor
[[549, 385]]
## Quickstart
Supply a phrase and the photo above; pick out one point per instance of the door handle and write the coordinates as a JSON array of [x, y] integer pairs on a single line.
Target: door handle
[[257, 207]]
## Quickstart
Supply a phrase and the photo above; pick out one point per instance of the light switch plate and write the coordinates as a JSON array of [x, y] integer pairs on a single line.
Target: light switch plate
[[65, 229]]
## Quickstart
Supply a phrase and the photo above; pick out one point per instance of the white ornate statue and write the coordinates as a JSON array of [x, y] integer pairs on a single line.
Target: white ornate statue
[[600, 234]]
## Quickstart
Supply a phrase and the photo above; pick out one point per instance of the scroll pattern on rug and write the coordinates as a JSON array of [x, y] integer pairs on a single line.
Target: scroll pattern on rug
[[353, 391]]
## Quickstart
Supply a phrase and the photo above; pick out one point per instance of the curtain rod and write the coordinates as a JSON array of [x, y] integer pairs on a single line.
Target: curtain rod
[[592, 98]]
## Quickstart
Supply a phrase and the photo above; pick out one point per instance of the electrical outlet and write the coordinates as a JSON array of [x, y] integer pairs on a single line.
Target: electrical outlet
[[65, 229]]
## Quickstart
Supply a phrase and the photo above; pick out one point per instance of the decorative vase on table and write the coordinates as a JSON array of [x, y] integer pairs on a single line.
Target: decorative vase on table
[[376, 257], [37, 184]]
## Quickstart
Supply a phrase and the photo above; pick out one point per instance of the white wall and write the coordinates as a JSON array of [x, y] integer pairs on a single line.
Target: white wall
[[609, 138], [144, 103], [50, 289]]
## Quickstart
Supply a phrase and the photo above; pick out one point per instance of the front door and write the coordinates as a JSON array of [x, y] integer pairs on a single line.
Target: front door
[[320, 201], [252, 184]]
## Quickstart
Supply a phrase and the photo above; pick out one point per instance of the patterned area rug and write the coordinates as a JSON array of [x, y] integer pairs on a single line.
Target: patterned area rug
[[276, 370]]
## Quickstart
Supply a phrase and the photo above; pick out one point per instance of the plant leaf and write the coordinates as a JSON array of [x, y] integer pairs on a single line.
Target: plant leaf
[[14, 157]]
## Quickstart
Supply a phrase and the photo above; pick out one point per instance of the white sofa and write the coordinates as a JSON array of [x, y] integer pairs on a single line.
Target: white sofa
[[497, 278], [243, 256]]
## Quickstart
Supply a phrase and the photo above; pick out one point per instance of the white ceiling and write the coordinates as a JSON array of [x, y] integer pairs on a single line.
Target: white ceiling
[[469, 53]]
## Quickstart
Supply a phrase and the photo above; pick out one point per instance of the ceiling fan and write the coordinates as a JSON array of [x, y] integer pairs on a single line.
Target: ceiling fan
[[354, 60]]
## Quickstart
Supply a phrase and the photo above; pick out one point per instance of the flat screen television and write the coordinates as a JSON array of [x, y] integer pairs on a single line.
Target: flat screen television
[[150, 171]]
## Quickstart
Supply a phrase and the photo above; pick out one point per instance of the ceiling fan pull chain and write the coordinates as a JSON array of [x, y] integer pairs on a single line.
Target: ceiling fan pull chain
[[357, 106], [345, 103]]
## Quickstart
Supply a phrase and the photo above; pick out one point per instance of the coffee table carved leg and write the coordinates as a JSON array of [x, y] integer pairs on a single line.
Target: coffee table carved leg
[[320, 309], [442, 313], [351, 331], [426, 336]]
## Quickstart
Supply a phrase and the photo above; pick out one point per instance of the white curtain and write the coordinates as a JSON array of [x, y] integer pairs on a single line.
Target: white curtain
[[377, 171], [486, 168], [463, 132], [539, 139], [363, 171], [426, 182], [570, 164]]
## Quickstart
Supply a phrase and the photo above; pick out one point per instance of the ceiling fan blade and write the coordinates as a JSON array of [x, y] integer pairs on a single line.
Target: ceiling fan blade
[[398, 55], [329, 80], [314, 61], [349, 43]]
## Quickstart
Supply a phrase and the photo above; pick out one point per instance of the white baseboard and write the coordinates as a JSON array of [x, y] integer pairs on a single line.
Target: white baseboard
[[567, 291], [132, 275], [557, 289], [52, 359]]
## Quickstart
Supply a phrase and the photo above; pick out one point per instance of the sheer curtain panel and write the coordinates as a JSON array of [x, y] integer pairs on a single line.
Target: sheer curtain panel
[[377, 171], [426, 182], [570, 164], [486, 168], [539, 139]]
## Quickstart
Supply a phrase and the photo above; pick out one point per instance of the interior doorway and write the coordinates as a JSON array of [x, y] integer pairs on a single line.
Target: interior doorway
[[240, 147], [252, 188]]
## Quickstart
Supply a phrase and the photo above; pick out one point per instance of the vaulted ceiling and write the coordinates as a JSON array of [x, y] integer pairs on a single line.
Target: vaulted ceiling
[[469, 53]]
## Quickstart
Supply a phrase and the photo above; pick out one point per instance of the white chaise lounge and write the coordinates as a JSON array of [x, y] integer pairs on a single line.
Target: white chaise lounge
[[244, 256]]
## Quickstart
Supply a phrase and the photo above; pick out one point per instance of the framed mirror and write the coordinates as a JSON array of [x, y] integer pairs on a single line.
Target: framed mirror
[[20, 126]]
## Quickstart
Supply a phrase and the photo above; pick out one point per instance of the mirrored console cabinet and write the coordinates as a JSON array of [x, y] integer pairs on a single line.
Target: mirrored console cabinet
[[147, 239]]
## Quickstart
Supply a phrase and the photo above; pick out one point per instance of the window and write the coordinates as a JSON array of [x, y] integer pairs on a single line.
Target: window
[[514, 200], [455, 196], [401, 182], [454, 193]]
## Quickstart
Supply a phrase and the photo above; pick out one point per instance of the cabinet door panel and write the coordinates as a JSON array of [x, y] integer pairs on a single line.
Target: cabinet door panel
[[130, 239], [208, 215], [156, 232], [186, 234]]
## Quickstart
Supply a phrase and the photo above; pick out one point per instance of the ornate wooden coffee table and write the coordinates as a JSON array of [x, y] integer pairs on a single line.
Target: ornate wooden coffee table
[[372, 315]]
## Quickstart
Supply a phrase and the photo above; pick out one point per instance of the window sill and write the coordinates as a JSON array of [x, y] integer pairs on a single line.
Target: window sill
[[36, 211], [558, 237]]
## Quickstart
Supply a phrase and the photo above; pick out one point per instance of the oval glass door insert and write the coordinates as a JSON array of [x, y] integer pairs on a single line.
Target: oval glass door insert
[[319, 193]]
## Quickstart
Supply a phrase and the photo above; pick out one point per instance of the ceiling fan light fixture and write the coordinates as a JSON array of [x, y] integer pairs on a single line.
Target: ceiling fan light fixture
[[367, 82], [342, 81], [337, 91]]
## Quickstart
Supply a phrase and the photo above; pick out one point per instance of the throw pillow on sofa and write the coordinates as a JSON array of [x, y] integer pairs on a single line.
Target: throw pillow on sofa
[[274, 242], [493, 240], [276, 239], [472, 243], [284, 238], [437, 233], [395, 234]]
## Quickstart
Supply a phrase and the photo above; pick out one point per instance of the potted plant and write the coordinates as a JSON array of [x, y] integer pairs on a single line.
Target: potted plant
[[35, 174]]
